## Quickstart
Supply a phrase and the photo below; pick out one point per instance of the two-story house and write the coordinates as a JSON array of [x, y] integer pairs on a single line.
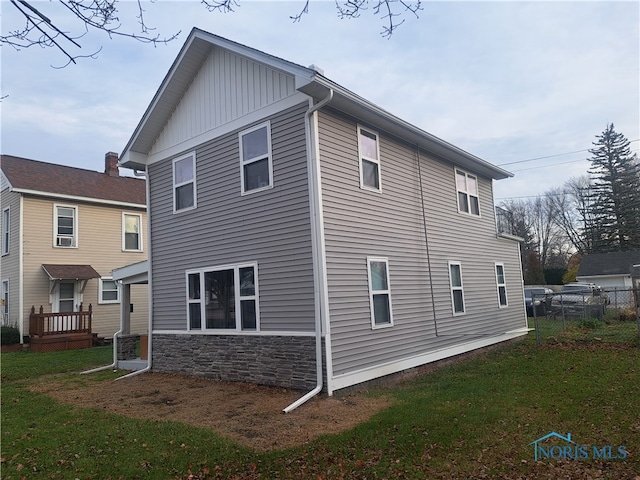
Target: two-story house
[[64, 230], [302, 236]]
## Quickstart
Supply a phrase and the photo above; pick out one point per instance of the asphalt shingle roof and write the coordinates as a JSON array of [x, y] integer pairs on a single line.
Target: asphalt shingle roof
[[46, 177], [614, 263]]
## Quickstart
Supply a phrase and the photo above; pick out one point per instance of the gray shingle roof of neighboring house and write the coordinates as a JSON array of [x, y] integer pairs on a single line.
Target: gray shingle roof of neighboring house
[[614, 263]]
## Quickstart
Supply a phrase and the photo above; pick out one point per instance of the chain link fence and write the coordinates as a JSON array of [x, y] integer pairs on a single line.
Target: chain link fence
[[609, 314]]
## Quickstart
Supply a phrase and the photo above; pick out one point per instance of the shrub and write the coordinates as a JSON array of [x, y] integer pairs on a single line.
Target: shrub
[[9, 335]]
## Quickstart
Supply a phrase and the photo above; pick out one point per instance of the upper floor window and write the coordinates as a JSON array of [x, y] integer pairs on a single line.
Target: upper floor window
[[467, 186], [6, 220], [224, 298], [502, 285], [131, 232], [65, 226], [108, 291], [457, 289], [369, 159], [256, 164], [184, 183], [379, 292]]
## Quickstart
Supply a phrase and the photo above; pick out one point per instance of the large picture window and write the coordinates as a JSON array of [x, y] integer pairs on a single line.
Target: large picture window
[[379, 292], [184, 183], [467, 186], [223, 298], [6, 221], [131, 232], [256, 164], [369, 159], [502, 285], [65, 226], [457, 289]]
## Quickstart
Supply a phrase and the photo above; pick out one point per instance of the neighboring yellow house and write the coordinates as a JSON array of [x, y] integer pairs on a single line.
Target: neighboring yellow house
[[64, 230]]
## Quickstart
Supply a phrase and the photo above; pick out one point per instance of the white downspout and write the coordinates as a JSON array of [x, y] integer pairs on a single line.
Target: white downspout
[[115, 356], [149, 288], [318, 281]]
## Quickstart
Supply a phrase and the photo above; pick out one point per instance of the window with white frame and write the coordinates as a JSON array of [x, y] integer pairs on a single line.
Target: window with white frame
[[369, 151], [256, 163], [223, 298], [131, 232], [502, 285], [457, 289], [379, 292], [184, 183], [108, 291], [65, 226], [6, 224], [467, 187], [5, 302]]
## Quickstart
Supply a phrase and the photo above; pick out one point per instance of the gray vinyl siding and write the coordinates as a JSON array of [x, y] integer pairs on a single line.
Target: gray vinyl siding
[[270, 227], [360, 223]]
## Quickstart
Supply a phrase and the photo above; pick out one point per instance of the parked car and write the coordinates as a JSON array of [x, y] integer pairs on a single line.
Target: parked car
[[538, 298], [580, 299]]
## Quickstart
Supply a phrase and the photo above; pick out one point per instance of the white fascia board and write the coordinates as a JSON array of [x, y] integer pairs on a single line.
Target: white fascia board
[[364, 375], [237, 124], [133, 273], [76, 198], [133, 160]]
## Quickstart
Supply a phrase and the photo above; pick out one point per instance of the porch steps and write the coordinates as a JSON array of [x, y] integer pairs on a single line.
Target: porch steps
[[133, 364]]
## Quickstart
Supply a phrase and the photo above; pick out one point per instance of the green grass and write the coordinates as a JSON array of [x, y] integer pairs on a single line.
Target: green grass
[[473, 419], [586, 330]]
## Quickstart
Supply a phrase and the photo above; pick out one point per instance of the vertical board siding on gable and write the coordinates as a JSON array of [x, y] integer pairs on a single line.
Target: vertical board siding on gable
[[271, 227], [390, 224], [227, 87]]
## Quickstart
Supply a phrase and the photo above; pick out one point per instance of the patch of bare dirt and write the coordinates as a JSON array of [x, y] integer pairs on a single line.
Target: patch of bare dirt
[[247, 413]]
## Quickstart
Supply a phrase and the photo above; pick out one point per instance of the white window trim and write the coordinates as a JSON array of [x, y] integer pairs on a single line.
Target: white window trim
[[504, 284], [461, 288], [374, 325], [75, 235], [191, 155], [244, 162], [5, 307], [6, 230], [124, 232], [361, 156], [101, 290], [466, 192], [236, 277]]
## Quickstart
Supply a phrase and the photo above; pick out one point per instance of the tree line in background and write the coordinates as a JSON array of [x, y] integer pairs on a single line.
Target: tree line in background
[[595, 213]]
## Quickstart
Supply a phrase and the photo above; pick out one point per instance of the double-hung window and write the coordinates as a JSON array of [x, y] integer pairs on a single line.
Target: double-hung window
[[184, 183], [467, 187], [65, 226], [6, 220], [5, 302], [502, 285], [131, 232], [379, 292], [457, 289], [369, 152], [223, 298], [256, 164], [108, 291]]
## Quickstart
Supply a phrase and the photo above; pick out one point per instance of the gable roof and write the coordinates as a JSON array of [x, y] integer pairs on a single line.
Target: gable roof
[[614, 263], [48, 179], [309, 81]]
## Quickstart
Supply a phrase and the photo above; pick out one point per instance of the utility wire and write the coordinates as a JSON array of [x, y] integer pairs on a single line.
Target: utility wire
[[552, 156]]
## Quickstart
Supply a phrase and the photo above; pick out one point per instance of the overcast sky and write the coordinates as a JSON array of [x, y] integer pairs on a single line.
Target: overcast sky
[[506, 81]]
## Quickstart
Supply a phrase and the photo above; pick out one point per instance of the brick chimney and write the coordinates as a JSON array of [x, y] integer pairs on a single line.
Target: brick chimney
[[111, 164]]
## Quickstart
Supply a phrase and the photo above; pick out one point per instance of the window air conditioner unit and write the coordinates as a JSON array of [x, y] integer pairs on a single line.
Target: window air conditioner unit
[[64, 241]]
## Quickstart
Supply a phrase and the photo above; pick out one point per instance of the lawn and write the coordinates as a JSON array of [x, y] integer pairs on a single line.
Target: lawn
[[472, 419]]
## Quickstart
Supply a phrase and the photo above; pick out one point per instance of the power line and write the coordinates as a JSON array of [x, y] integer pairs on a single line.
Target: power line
[[552, 156], [559, 163]]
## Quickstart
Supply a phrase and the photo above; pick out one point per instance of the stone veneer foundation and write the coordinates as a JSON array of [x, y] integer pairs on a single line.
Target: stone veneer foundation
[[268, 360]]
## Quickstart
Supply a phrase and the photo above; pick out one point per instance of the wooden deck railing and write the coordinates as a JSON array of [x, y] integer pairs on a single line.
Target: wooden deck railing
[[48, 323]]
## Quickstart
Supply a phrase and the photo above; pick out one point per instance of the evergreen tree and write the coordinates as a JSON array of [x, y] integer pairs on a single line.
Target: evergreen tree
[[615, 195]]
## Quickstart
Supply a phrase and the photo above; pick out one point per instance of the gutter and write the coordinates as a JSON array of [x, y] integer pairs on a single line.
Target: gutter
[[149, 288], [114, 365], [316, 241]]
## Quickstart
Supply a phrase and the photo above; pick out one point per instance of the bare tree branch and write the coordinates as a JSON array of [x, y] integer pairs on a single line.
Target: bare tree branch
[[224, 6]]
